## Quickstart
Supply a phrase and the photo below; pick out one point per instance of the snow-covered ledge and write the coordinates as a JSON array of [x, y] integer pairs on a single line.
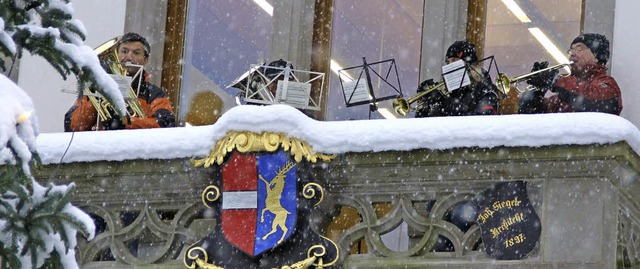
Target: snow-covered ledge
[[337, 137], [581, 169]]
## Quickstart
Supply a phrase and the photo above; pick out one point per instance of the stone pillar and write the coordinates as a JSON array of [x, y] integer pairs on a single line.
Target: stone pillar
[[293, 32], [149, 18], [444, 22]]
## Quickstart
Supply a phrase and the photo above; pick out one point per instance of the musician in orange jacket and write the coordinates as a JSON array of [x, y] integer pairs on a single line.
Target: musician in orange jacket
[[587, 89], [132, 48]]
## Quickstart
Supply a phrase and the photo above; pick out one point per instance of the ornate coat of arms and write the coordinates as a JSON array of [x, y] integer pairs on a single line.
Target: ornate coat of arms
[[258, 213], [263, 197]]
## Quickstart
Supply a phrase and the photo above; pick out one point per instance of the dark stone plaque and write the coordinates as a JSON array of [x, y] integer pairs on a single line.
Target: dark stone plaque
[[509, 225]]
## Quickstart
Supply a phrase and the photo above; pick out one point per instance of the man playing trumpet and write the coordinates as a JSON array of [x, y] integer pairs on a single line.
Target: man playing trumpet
[[587, 89], [133, 53]]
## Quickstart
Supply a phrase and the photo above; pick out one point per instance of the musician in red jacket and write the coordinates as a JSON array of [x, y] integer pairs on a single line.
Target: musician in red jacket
[[132, 48], [587, 89]]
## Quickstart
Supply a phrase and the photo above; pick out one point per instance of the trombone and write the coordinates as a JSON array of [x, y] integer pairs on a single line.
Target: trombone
[[402, 106], [109, 59], [504, 83]]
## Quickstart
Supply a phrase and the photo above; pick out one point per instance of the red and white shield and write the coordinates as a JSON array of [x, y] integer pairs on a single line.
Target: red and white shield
[[258, 200]]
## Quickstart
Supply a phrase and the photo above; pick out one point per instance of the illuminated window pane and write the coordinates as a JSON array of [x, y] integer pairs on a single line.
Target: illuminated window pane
[[223, 38], [378, 30], [510, 34]]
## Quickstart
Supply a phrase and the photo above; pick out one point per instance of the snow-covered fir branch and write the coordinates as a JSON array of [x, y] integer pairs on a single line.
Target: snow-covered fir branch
[[39, 225], [46, 28]]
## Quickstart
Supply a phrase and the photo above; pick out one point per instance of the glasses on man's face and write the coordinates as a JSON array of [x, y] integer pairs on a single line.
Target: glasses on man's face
[[577, 48]]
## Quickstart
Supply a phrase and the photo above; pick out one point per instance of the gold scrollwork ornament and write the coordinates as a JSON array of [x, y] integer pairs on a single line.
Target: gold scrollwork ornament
[[210, 194], [304, 264], [309, 191], [313, 256], [192, 255], [265, 141], [204, 265]]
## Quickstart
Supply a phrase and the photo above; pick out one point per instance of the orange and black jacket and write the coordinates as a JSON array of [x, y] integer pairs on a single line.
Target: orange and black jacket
[[82, 116]]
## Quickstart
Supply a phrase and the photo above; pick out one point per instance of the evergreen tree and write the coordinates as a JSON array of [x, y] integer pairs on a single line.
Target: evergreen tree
[[46, 28], [38, 225]]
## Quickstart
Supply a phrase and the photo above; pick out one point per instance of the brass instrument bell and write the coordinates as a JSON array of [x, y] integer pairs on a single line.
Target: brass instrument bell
[[402, 106]]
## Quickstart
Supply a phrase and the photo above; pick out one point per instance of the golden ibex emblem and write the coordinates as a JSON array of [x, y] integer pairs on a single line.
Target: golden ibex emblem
[[273, 204]]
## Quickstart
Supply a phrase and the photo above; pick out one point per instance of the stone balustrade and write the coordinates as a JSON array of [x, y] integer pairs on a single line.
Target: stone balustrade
[[385, 208], [151, 210]]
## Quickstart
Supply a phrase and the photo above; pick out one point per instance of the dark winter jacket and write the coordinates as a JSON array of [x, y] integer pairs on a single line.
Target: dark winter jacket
[[589, 91], [478, 98], [82, 116]]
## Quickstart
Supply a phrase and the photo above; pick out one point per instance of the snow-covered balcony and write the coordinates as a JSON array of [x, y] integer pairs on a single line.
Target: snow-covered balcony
[[391, 186]]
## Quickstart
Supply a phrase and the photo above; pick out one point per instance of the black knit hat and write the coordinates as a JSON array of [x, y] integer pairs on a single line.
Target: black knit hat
[[462, 50], [271, 73], [133, 37], [597, 43]]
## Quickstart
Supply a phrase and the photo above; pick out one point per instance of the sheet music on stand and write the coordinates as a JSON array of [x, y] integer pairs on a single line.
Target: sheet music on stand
[[487, 65], [296, 94], [360, 90], [357, 92], [288, 86], [455, 75], [124, 84]]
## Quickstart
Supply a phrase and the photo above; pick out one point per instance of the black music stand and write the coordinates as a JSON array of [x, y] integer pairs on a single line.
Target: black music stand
[[492, 62], [360, 91]]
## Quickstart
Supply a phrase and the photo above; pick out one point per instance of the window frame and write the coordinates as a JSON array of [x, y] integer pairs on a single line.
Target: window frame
[[171, 67], [474, 22]]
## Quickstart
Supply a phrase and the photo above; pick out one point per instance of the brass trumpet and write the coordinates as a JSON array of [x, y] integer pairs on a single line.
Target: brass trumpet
[[402, 106], [108, 56], [504, 83]]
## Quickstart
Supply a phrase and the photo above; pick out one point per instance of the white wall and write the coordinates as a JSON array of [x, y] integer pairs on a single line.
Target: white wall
[[625, 65], [103, 20]]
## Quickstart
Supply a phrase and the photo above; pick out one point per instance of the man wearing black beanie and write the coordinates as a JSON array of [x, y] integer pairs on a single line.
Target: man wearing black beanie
[[478, 98], [587, 89]]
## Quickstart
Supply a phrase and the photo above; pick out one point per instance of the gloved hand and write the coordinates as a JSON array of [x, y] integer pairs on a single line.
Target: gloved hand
[[542, 80], [424, 85], [531, 102], [430, 102], [565, 95], [431, 97], [115, 122]]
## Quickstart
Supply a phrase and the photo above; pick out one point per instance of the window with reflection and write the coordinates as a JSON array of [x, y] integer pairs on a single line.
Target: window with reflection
[[521, 32], [378, 31], [223, 38]]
